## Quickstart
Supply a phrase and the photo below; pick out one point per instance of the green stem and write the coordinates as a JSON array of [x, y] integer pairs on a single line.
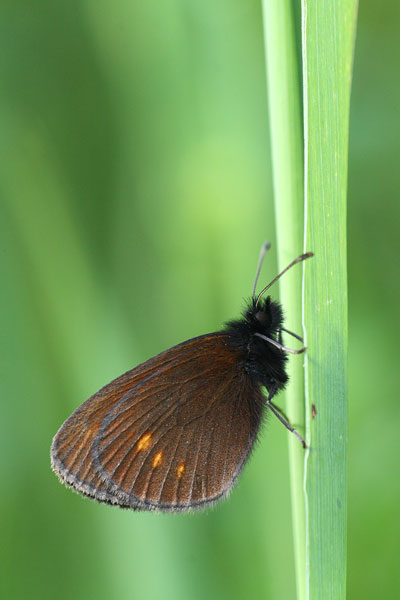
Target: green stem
[[284, 94]]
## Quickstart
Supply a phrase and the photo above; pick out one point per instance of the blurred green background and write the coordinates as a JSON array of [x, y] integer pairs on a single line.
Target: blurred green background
[[135, 193]]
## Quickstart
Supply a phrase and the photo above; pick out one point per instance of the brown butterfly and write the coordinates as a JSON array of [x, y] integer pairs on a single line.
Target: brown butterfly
[[174, 433]]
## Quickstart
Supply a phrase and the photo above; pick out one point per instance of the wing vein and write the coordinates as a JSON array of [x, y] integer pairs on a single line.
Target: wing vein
[[158, 421], [233, 414], [170, 465], [171, 410]]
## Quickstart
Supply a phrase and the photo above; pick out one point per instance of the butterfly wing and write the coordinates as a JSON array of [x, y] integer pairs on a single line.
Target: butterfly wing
[[171, 434]]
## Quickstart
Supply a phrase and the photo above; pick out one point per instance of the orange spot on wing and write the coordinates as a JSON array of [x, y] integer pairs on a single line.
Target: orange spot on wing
[[157, 459], [180, 470], [144, 443]]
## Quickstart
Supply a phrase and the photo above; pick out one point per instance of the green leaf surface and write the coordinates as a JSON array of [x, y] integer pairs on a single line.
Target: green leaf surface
[[328, 41]]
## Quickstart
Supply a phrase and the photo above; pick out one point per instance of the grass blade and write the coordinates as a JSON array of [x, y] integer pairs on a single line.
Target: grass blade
[[328, 41]]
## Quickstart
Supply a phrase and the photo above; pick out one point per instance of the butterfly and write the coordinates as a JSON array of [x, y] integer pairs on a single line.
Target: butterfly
[[174, 433]]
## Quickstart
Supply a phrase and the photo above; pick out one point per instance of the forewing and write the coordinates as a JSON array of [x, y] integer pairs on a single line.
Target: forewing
[[172, 434]]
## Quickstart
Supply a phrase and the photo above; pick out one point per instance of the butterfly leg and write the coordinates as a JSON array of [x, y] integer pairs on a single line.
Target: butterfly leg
[[283, 414], [291, 333], [279, 410], [284, 422]]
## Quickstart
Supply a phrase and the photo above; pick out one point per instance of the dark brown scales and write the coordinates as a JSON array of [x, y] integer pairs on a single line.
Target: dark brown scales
[[172, 434]]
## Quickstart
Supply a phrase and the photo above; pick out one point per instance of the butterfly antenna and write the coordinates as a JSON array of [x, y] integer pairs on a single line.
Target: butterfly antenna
[[264, 248], [294, 262]]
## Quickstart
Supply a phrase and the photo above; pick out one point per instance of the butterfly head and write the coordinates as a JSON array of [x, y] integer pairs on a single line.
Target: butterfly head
[[266, 317]]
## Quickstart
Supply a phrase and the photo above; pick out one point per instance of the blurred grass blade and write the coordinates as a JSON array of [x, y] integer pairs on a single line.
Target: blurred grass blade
[[328, 31], [284, 96]]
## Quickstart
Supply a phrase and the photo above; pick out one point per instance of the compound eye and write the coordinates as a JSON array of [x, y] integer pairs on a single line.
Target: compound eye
[[261, 317]]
